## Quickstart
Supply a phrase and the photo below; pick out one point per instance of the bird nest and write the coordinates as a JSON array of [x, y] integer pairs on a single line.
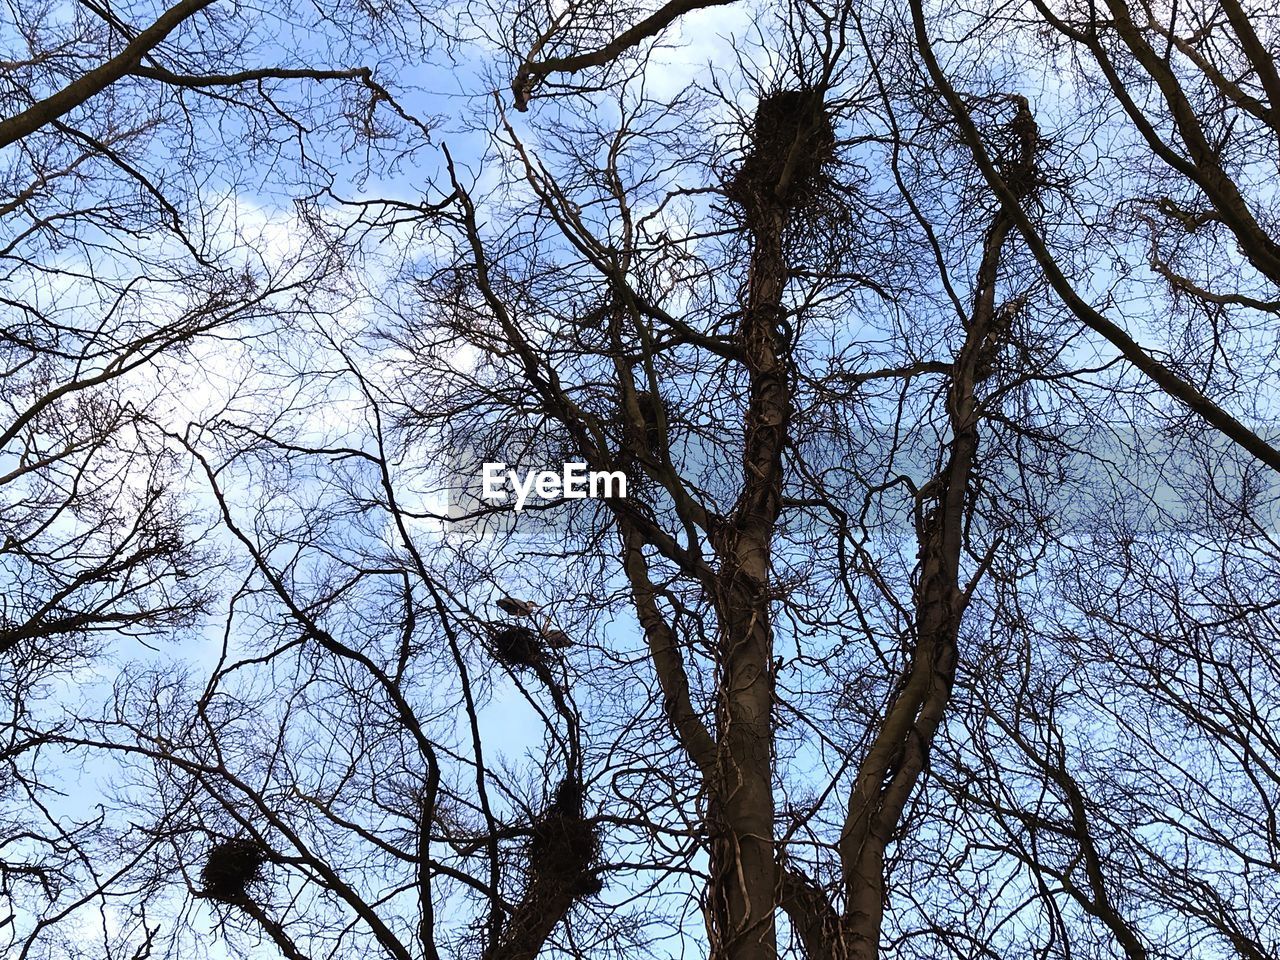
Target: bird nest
[[638, 443], [564, 848], [231, 868], [792, 146], [518, 647], [653, 412]]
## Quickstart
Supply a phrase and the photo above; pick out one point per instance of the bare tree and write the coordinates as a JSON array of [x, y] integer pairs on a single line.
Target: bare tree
[[744, 555], [133, 140], [934, 620]]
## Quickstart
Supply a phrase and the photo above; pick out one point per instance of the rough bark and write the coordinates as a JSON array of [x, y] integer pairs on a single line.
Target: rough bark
[[891, 769], [744, 882]]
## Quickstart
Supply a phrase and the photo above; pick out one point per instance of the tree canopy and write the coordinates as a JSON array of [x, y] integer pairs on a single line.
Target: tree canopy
[[936, 345]]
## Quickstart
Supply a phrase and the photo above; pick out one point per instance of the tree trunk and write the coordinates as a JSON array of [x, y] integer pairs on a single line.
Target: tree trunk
[[744, 874]]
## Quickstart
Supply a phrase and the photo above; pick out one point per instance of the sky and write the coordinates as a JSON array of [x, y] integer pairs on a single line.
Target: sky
[[259, 220]]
